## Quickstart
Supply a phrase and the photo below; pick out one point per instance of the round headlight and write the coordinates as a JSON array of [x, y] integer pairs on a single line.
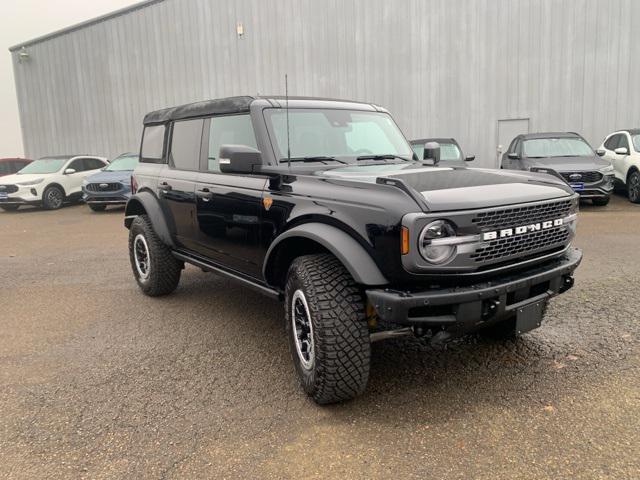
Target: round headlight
[[431, 249]]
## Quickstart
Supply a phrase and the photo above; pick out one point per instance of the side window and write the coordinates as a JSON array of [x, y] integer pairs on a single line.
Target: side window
[[186, 138], [152, 144], [228, 130], [5, 167], [93, 163], [623, 142], [518, 147], [77, 165], [612, 142]]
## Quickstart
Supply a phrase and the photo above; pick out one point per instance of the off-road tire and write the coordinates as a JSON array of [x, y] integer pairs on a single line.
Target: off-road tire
[[97, 207], [9, 208], [52, 198], [600, 202], [163, 268], [341, 345], [505, 329], [633, 187]]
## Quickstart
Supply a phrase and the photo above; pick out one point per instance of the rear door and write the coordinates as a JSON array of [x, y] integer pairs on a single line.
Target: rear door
[[229, 205], [176, 185]]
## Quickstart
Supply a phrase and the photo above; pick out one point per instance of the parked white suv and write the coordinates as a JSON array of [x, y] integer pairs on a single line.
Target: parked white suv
[[622, 149], [49, 181]]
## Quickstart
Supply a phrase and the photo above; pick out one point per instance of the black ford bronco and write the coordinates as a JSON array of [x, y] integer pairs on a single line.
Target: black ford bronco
[[324, 205]]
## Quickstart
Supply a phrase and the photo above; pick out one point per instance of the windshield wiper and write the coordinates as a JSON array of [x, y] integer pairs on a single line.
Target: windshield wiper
[[382, 157], [312, 159]]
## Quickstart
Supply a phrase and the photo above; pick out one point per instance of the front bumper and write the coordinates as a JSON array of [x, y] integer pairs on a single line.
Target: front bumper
[[106, 198], [472, 307], [601, 189]]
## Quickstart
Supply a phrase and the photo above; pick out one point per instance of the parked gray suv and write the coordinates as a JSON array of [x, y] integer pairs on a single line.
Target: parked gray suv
[[565, 155]]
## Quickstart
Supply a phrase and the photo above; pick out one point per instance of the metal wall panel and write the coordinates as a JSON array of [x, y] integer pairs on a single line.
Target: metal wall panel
[[443, 67]]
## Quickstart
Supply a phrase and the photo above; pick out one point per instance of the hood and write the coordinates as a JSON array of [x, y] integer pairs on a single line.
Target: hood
[[569, 164], [445, 189], [14, 178], [105, 176]]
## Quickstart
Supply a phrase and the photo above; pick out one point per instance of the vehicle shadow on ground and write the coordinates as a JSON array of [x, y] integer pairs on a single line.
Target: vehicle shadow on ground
[[445, 380]]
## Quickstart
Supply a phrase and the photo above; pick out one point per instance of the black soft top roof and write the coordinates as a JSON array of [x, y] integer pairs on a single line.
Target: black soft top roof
[[198, 109], [232, 105]]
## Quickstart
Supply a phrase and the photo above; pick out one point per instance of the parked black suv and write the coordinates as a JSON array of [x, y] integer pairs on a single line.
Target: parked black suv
[[322, 204], [566, 155]]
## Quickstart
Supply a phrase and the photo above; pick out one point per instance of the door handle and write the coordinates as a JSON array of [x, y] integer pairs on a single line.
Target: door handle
[[165, 186], [204, 194]]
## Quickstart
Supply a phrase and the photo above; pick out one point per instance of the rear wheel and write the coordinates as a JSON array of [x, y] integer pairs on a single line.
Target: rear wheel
[[600, 202], [327, 330], [155, 269], [633, 187], [52, 198], [9, 208], [96, 207]]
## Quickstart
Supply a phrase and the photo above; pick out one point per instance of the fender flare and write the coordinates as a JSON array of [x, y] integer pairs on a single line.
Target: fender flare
[[345, 248], [146, 203]]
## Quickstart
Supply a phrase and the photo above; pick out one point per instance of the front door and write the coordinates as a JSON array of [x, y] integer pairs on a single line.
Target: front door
[[229, 206], [508, 130]]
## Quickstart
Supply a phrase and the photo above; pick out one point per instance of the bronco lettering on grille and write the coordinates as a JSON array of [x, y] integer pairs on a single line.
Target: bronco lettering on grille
[[533, 227]]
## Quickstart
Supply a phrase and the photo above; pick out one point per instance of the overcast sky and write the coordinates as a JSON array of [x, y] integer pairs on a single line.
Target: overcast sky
[[22, 20]]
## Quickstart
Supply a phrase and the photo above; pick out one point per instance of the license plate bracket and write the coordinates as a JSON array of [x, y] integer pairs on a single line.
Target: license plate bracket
[[577, 186], [4, 195], [529, 316]]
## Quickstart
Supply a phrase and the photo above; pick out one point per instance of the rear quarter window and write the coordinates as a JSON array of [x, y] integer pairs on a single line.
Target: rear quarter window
[[152, 144]]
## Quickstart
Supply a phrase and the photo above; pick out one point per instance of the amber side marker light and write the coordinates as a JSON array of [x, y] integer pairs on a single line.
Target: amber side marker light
[[404, 240]]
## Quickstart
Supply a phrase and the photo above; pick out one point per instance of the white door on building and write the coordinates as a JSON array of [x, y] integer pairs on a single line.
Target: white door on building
[[507, 131]]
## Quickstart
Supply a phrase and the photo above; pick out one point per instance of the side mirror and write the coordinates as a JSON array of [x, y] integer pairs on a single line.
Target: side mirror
[[238, 158], [69, 171], [513, 156], [622, 151], [432, 152], [601, 152], [470, 158]]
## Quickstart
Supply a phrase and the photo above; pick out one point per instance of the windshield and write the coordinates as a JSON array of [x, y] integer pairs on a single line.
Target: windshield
[[125, 162], [335, 133], [636, 142], [449, 152], [556, 147], [44, 165]]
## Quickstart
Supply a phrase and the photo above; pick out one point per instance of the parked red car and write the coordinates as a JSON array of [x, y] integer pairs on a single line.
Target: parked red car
[[9, 166]]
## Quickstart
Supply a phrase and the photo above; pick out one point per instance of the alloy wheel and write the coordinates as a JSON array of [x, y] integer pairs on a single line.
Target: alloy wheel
[[302, 329], [141, 256]]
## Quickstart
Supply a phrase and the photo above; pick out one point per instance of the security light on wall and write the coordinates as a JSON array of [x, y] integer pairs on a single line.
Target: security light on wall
[[240, 29], [23, 55]]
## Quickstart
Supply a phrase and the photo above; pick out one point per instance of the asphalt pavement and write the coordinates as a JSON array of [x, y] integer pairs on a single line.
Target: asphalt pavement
[[99, 381]]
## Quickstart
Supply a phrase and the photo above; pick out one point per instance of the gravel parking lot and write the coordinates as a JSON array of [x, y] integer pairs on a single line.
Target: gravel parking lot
[[99, 381]]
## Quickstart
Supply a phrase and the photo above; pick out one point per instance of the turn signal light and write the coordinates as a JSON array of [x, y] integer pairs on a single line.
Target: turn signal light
[[404, 240]]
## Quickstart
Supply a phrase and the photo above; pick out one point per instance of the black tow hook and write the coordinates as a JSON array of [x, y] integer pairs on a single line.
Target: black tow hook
[[567, 283]]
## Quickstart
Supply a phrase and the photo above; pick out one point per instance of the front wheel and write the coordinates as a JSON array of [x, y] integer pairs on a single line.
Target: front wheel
[[327, 329], [52, 198], [633, 187], [600, 202], [155, 269]]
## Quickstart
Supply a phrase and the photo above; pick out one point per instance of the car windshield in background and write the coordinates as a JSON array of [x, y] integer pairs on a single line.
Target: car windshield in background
[[44, 165], [556, 147], [636, 142], [342, 134], [449, 152], [128, 162]]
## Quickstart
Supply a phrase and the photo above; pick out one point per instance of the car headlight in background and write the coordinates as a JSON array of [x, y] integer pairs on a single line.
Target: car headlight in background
[[435, 242], [30, 182]]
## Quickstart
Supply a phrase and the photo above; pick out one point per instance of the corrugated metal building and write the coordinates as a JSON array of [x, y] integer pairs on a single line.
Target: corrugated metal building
[[479, 70]]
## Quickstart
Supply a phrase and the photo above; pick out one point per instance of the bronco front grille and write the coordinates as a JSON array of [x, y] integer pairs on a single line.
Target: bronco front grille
[[9, 188], [584, 177], [525, 243], [104, 187], [516, 216]]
